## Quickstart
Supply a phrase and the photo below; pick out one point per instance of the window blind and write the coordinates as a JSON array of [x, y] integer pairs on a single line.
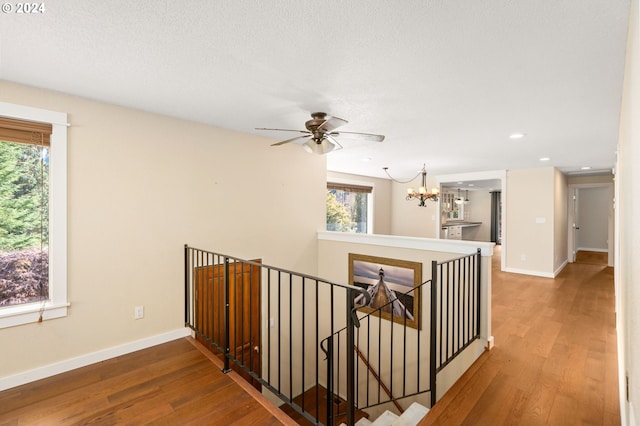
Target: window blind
[[349, 187], [27, 132]]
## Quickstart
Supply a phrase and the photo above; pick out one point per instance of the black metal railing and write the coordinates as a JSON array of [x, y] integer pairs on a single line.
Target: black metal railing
[[455, 310], [398, 358], [266, 323], [392, 353]]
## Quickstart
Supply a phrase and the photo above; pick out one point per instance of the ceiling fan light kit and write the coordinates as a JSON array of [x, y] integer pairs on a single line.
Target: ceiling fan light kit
[[320, 147], [320, 137]]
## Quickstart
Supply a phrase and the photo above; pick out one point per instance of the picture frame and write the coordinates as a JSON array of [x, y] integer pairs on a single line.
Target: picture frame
[[393, 285]]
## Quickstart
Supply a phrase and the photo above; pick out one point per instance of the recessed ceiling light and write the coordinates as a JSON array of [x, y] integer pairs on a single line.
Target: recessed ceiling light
[[472, 184], [545, 159], [460, 183], [585, 168], [367, 159], [516, 136]]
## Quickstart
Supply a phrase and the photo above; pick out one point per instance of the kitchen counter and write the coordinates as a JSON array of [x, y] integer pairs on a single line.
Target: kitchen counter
[[461, 223]]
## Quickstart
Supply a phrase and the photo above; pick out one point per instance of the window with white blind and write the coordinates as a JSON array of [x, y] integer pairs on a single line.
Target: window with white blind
[[33, 151], [349, 207]]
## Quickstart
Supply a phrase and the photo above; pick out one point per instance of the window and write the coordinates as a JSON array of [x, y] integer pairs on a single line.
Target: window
[[32, 215], [348, 207]]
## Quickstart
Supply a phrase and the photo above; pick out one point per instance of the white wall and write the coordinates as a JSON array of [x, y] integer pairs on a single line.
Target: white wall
[[627, 273], [140, 186]]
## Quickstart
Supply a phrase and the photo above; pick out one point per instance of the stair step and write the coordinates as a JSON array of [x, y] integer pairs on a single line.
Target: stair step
[[386, 419], [309, 400], [412, 415]]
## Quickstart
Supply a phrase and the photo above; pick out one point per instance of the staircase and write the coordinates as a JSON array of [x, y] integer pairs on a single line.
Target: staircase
[[308, 401], [411, 417], [369, 359]]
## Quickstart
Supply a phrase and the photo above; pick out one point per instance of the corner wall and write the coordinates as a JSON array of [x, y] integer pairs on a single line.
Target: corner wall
[[140, 186], [627, 272], [530, 221]]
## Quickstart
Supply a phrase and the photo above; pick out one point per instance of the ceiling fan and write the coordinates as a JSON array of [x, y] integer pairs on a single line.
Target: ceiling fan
[[321, 137]]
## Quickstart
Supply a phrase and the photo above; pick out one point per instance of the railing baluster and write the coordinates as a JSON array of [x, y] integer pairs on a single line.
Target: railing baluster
[[290, 337], [454, 324], [268, 325], [279, 332], [433, 327]]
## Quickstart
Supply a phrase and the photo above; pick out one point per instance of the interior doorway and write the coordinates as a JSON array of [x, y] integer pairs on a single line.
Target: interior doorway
[[590, 217]]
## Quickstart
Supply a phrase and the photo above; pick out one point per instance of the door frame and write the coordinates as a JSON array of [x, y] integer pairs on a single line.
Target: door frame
[[573, 213]]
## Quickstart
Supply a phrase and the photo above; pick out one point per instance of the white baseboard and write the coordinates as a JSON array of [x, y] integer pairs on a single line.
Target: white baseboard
[[560, 268], [598, 250], [528, 272], [90, 358]]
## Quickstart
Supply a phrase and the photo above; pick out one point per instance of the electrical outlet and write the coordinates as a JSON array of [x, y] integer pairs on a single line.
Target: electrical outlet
[[523, 257], [138, 312]]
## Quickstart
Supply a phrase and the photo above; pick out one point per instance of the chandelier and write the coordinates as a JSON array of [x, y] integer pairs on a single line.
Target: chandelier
[[422, 194]]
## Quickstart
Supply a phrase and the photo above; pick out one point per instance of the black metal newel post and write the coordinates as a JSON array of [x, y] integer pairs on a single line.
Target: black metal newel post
[[186, 285], [350, 352], [226, 368], [478, 278], [432, 337], [329, 407]]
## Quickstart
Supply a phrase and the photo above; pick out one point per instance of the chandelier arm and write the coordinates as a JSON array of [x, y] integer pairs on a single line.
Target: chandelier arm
[[386, 170]]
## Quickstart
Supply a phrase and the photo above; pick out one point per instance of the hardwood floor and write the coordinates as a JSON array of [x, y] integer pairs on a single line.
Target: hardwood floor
[[554, 363], [554, 360], [174, 383]]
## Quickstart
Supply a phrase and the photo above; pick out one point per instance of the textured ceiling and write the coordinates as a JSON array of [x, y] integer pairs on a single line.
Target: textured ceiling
[[445, 81]]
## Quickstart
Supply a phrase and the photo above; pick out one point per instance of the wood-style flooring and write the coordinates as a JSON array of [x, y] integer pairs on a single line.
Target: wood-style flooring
[[554, 361], [170, 384]]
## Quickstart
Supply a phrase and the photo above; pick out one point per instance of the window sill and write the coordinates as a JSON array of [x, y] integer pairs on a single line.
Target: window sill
[[30, 313]]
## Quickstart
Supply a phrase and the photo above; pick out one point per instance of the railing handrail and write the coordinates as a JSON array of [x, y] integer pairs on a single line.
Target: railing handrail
[[464, 256], [286, 271], [464, 271], [376, 312]]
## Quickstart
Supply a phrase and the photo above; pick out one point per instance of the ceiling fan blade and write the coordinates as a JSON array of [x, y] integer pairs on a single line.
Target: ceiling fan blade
[[362, 136], [283, 130], [332, 124], [291, 140]]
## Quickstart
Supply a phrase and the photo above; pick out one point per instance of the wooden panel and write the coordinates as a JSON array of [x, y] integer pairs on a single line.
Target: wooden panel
[[244, 313]]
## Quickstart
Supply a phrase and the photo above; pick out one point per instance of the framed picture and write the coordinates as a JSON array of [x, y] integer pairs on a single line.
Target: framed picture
[[392, 285]]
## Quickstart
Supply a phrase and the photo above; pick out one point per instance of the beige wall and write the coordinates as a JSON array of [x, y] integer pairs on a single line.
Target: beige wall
[[530, 244], [584, 180], [628, 211], [407, 218], [333, 264], [140, 186], [381, 198], [479, 208], [560, 222]]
